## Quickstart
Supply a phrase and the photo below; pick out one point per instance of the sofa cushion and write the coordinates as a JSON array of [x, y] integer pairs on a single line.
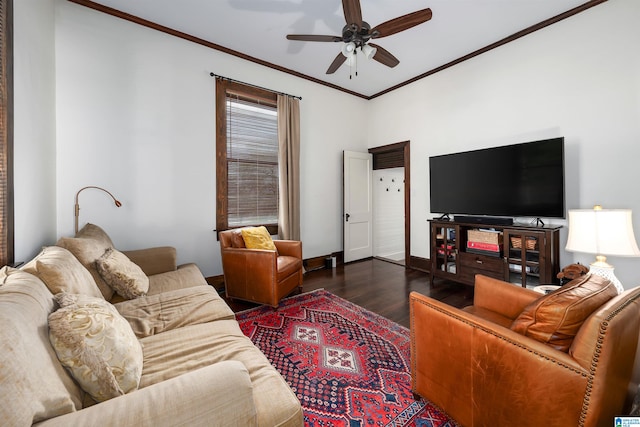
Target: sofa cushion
[[90, 244], [97, 345], [195, 346], [35, 386], [257, 238], [287, 265], [154, 314], [556, 318], [62, 272], [124, 277]]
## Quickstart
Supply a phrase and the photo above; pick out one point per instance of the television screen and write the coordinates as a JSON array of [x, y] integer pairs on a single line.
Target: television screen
[[520, 180]]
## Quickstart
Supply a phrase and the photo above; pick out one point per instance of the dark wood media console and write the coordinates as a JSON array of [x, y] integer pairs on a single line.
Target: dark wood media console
[[521, 254]]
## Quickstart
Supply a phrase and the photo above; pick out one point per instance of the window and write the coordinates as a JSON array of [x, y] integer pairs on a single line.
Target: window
[[6, 133], [247, 157]]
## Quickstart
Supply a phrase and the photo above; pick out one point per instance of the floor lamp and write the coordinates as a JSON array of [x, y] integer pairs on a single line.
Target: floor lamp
[[602, 232], [77, 206]]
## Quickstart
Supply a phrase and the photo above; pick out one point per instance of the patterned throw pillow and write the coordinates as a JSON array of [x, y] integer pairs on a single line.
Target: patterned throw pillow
[[97, 345], [124, 277], [257, 238]]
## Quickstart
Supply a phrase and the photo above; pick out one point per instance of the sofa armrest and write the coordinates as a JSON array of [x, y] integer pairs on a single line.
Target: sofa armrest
[[217, 395], [289, 248], [502, 297], [482, 373], [154, 260], [185, 276]]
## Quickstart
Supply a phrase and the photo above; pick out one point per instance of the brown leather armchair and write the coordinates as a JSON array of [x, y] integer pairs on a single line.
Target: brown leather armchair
[[479, 371], [258, 275]]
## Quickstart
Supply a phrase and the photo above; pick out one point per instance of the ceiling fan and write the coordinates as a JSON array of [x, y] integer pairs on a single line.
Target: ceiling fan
[[357, 33]]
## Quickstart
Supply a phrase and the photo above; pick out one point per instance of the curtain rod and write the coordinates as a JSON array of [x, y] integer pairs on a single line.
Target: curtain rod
[[252, 85]]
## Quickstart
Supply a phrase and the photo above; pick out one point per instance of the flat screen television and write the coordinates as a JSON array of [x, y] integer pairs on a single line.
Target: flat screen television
[[519, 180]]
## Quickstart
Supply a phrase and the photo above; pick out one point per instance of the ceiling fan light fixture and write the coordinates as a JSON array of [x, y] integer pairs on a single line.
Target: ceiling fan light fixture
[[349, 49], [368, 51], [351, 60]]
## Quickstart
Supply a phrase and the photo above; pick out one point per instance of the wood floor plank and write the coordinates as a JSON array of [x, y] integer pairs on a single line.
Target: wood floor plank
[[380, 286]]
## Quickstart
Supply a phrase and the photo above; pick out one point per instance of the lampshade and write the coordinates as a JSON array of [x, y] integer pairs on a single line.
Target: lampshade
[[348, 49], [602, 232], [368, 51]]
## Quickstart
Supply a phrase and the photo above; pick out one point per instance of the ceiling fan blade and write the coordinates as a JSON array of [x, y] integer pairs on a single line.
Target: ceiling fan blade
[[313, 38], [352, 12], [384, 57], [336, 63], [401, 23]]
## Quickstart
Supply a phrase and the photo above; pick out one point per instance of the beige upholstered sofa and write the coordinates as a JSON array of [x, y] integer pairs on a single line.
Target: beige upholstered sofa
[[171, 355]]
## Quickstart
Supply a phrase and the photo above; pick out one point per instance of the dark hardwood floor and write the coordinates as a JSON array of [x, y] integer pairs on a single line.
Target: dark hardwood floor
[[380, 286]]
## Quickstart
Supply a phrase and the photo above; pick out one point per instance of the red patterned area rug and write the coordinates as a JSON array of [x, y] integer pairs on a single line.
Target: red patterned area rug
[[348, 366]]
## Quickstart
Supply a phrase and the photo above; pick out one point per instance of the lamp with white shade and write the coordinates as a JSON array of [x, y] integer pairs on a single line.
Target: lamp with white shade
[[603, 232], [368, 51]]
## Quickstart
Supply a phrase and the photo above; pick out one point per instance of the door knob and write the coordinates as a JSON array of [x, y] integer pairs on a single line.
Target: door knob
[[347, 217]]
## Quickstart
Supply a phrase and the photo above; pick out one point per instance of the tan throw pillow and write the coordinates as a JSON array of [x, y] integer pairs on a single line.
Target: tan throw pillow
[[125, 277], [97, 345], [257, 238], [92, 231], [556, 318], [61, 271], [87, 251]]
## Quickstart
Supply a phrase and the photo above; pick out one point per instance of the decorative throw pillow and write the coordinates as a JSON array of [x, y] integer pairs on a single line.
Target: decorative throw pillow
[[556, 318], [62, 272], [257, 238], [92, 231], [87, 251], [125, 277], [97, 345]]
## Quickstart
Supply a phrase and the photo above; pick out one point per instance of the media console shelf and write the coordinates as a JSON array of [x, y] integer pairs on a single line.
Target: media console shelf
[[524, 255]]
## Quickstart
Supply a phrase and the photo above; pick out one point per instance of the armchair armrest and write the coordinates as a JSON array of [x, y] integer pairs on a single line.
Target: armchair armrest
[[154, 260], [482, 373], [217, 395], [289, 248], [501, 297]]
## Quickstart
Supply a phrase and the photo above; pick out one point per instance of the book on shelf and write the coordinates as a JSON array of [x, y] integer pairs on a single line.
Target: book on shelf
[[483, 246]]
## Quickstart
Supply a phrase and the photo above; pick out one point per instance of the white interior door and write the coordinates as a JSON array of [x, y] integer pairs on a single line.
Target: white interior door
[[357, 219]]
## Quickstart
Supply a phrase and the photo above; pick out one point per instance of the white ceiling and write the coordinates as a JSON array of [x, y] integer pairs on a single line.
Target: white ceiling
[[258, 28]]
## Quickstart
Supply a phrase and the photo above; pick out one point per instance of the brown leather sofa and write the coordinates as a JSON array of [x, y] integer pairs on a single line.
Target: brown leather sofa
[[258, 275], [473, 364]]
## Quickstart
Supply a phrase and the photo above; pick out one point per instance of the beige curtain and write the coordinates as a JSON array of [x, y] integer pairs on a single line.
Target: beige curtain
[[289, 167]]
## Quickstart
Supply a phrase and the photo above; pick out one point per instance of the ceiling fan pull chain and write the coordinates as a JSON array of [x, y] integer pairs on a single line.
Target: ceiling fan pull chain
[[355, 57]]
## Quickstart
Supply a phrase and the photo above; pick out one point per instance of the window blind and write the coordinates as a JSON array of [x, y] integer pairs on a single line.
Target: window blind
[[252, 163]]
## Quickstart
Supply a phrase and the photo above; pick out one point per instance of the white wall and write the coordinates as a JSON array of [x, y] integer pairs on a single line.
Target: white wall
[[34, 126], [579, 79], [136, 115], [132, 110]]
